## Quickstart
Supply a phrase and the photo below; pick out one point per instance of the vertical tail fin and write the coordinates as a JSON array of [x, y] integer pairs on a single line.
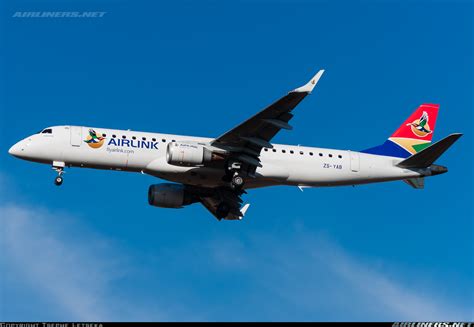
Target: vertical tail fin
[[414, 135]]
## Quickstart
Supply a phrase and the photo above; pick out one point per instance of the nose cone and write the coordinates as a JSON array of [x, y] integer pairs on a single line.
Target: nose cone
[[15, 150]]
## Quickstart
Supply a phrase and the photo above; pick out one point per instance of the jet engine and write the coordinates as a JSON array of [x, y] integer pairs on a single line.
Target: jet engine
[[168, 195], [189, 154]]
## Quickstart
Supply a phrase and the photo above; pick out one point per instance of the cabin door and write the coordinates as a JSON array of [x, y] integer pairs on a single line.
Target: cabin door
[[355, 163], [76, 135]]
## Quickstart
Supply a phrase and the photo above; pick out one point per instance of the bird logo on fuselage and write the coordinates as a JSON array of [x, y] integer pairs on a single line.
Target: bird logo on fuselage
[[420, 127], [94, 140]]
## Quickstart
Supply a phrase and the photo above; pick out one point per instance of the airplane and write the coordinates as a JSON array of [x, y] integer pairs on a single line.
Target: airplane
[[216, 172]]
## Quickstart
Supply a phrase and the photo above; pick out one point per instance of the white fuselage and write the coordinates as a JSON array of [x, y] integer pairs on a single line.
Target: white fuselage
[[146, 152]]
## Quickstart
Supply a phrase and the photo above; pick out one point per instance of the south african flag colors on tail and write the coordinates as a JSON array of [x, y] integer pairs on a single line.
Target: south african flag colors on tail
[[414, 135]]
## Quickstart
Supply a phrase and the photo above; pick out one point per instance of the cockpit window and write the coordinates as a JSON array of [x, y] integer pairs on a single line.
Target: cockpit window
[[47, 131]]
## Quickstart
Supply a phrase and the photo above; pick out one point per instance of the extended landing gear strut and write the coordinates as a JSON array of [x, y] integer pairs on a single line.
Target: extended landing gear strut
[[59, 168], [59, 179]]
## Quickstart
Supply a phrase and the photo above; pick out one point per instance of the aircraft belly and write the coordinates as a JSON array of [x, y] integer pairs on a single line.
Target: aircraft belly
[[140, 158], [319, 172], [276, 171], [88, 157], [199, 176], [333, 172]]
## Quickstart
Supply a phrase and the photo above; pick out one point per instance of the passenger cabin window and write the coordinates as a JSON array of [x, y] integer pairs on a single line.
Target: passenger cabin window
[[153, 139], [47, 131], [339, 156], [283, 151], [330, 155], [265, 149], [311, 153], [114, 136], [320, 154], [163, 140], [274, 150], [124, 137], [291, 151], [104, 135], [301, 152], [144, 138], [134, 138]]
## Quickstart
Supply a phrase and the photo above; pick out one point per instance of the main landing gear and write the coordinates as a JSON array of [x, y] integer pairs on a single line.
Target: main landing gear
[[234, 178], [237, 181], [236, 184], [233, 175]]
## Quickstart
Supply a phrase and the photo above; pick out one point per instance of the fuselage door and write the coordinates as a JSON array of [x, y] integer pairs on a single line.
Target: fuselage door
[[355, 164], [76, 135]]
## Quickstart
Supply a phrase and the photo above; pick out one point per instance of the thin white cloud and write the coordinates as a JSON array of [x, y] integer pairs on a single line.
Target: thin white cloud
[[394, 299], [303, 275], [68, 265], [311, 273]]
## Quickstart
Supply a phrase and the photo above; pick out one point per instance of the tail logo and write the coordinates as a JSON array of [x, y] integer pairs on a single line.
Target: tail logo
[[94, 140], [420, 127]]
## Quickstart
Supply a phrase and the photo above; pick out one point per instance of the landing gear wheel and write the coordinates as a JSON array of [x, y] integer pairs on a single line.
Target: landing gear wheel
[[223, 210], [58, 181], [237, 182]]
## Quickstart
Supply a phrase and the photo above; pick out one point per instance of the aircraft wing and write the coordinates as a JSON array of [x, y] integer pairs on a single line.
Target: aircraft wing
[[231, 198], [247, 139]]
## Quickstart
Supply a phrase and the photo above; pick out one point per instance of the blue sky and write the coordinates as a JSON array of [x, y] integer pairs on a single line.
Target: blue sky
[[94, 250]]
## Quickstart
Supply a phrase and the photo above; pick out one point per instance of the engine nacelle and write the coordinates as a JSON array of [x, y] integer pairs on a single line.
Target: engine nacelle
[[187, 154], [168, 195]]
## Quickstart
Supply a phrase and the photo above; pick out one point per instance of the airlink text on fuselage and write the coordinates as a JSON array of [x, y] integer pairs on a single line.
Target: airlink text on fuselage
[[133, 143]]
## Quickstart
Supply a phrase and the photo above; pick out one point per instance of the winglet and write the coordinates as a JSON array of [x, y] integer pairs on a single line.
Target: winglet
[[244, 210], [308, 87]]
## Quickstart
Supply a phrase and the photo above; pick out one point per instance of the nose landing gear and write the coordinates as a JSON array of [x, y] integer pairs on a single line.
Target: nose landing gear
[[59, 168]]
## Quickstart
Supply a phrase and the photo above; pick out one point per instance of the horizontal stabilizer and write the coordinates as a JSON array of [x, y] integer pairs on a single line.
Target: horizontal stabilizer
[[429, 155], [418, 183]]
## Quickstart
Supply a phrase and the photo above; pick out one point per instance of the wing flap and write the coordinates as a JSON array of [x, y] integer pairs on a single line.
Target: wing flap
[[211, 203], [235, 213]]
